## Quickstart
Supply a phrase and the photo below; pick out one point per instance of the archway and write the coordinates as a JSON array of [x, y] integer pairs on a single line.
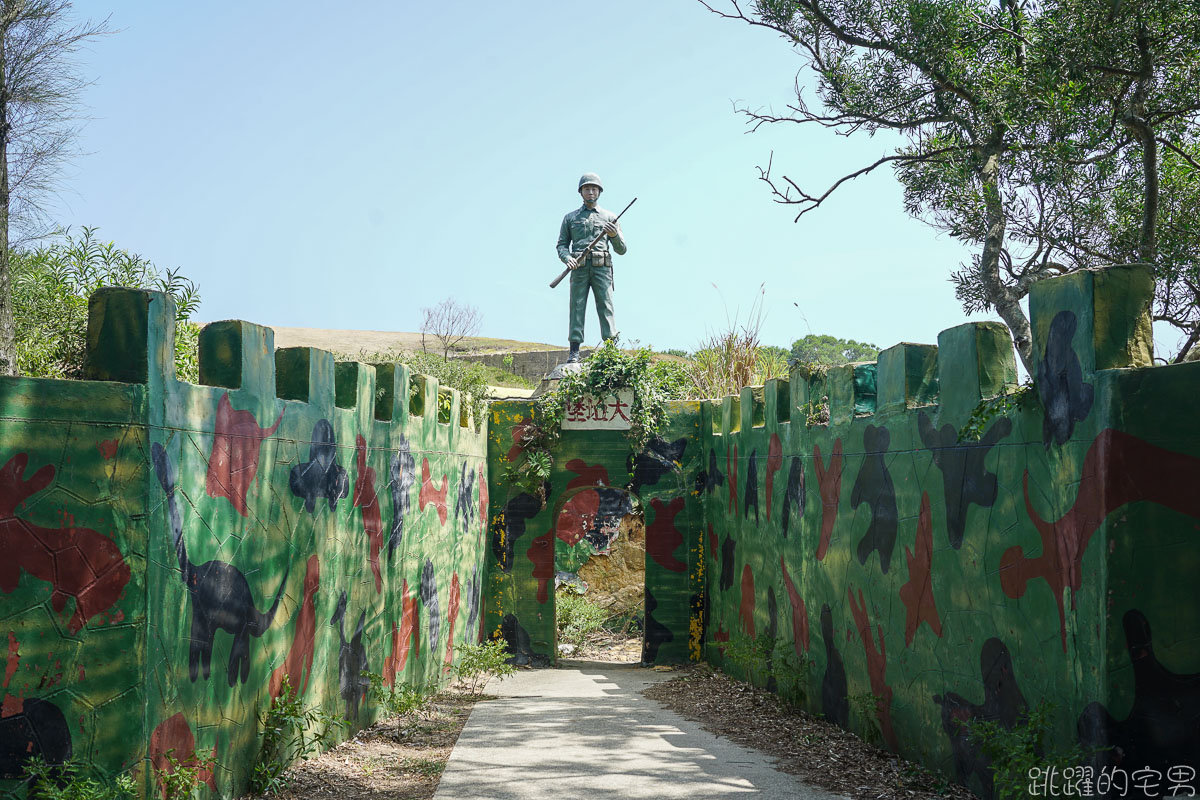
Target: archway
[[600, 575]]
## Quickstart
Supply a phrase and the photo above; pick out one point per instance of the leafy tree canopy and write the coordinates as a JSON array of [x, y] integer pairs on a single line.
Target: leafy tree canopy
[[51, 287], [831, 351]]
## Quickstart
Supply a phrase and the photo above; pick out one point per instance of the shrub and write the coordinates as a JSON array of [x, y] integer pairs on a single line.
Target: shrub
[[181, 779], [578, 618], [400, 698], [1017, 753], [290, 732], [477, 663], [63, 782], [51, 286]]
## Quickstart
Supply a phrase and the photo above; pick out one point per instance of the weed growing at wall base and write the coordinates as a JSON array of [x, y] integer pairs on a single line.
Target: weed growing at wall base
[[400, 698], [180, 780], [63, 782], [479, 662], [1015, 752], [289, 733]]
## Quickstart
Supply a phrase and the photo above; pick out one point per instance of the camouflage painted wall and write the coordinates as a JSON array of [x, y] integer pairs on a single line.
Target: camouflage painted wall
[[1053, 559], [595, 481], [290, 516]]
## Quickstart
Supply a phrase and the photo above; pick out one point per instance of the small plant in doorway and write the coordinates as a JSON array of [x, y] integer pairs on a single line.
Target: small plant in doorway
[[578, 618]]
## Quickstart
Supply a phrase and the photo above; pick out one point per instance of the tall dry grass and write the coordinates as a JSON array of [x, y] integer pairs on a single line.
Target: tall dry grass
[[730, 359]]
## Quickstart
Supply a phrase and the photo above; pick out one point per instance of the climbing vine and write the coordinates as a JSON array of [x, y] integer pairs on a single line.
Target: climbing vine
[[608, 370]]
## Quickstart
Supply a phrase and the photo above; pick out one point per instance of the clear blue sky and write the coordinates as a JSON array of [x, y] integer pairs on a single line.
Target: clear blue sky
[[343, 167]]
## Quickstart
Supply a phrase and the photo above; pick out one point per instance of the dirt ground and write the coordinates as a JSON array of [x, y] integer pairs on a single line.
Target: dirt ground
[[403, 758], [398, 759], [818, 751]]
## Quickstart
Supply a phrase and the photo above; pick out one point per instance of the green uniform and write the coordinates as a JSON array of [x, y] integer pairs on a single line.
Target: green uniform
[[578, 228]]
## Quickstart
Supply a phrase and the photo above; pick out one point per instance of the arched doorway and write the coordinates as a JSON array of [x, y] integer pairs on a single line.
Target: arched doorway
[[600, 575]]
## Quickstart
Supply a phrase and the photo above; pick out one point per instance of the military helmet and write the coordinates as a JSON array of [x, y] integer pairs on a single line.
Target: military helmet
[[592, 178]]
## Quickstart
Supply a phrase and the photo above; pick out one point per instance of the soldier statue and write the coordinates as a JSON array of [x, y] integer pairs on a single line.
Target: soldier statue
[[595, 270]]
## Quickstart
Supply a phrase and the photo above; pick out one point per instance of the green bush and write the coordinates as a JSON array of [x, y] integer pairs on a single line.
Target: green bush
[[290, 732], [400, 699], [477, 663], [51, 286], [765, 657], [63, 782], [180, 781], [1016, 751], [578, 618]]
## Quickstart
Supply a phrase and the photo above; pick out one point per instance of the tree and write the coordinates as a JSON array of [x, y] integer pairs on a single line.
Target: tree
[[51, 286], [39, 90], [1014, 142], [1135, 121], [449, 323], [831, 351]]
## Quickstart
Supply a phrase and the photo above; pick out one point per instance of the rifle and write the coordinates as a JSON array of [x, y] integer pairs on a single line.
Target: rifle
[[583, 253]]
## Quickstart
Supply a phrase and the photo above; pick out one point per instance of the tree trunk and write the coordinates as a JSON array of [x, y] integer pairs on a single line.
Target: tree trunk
[[8, 330], [1003, 299]]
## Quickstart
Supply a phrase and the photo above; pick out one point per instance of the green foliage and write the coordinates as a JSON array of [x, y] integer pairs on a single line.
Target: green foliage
[[748, 655], [401, 699], [1017, 750], [530, 473], [479, 662], [731, 359], [495, 376], [757, 659], [468, 377], [1001, 405], [64, 782], [1040, 134], [180, 781], [51, 286], [816, 412], [868, 706], [290, 732], [608, 370], [578, 618], [830, 351]]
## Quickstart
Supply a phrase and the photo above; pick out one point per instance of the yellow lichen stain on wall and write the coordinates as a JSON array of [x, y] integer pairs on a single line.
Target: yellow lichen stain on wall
[[696, 619]]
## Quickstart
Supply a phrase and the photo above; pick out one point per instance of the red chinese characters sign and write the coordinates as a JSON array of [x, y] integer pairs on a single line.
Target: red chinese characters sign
[[611, 412]]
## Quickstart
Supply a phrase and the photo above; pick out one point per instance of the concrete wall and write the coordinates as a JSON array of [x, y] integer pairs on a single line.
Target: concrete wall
[[532, 366], [1052, 559], [595, 481], [173, 550], [177, 549]]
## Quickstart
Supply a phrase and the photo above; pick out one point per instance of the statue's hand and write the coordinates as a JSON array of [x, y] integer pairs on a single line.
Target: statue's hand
[[571, 262], [611, 229]]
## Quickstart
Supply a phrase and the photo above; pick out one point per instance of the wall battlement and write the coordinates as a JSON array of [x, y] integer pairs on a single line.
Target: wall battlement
[[947, 579], [291, 515], [175, 550]]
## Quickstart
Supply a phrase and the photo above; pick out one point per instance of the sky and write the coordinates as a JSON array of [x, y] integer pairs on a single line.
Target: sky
[[343, 167]]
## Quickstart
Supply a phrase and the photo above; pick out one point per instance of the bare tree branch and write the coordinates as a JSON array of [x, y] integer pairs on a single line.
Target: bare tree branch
[[450, 323]]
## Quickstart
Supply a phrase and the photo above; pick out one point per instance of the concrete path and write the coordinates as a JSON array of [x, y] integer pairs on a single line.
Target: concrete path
[[585, 732]]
